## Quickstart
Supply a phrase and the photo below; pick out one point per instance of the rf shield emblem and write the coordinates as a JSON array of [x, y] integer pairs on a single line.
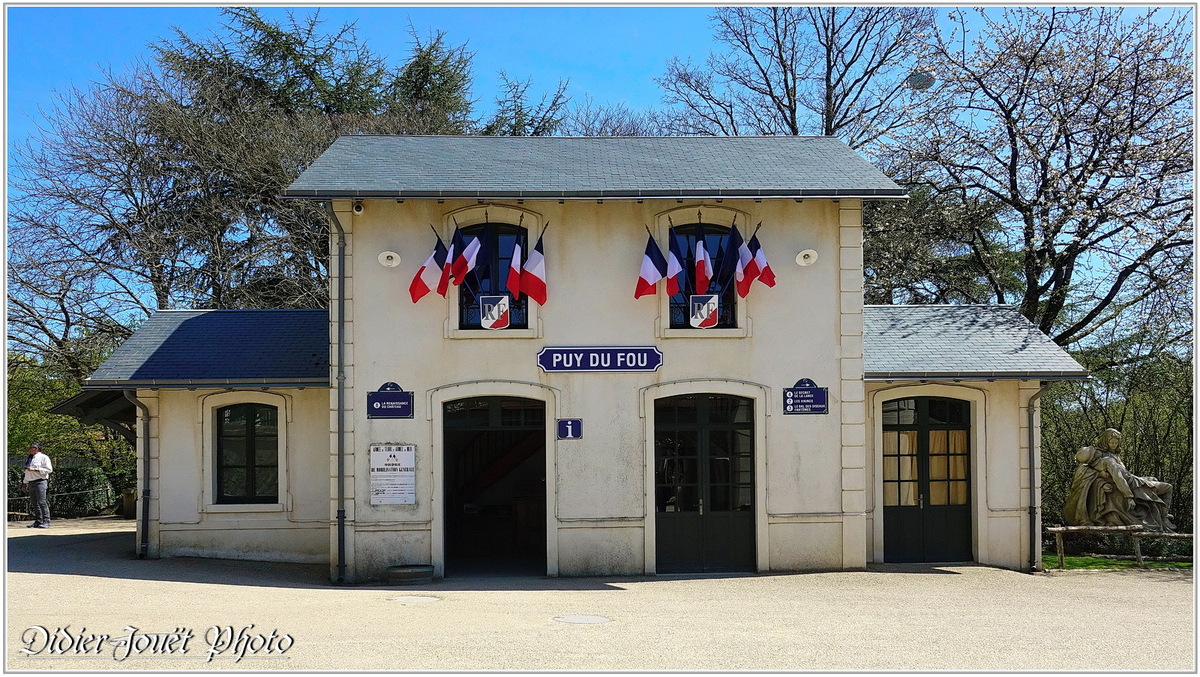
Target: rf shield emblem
[[493, 312], [704, 310]]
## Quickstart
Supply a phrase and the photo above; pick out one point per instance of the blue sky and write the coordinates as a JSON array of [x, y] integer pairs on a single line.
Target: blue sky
[[610, 53]]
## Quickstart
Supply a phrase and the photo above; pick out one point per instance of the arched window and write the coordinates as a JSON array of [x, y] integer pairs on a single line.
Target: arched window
[[247, 454], [489, 278], [722, 285]]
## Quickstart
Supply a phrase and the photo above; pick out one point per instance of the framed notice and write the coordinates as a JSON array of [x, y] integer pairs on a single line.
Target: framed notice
[[393, 474]]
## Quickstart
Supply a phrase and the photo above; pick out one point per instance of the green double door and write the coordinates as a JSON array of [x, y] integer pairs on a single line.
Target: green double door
[[926, 480], [704, 483]]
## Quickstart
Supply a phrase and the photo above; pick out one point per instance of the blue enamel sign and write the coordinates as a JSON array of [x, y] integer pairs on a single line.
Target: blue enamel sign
[[570, 428], [595, 358], [390, 402], [805, 398]]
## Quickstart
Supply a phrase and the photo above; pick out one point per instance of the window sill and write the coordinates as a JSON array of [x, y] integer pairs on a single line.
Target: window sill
[[736, 332], [244, 507], [531, 333]]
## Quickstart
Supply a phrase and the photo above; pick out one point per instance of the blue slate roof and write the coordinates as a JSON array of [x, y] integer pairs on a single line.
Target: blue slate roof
[[246, 348], [207, 348], [972, 342], [591, 167]]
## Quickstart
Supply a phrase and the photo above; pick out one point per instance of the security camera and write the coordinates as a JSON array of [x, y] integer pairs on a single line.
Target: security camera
[[358, 208]]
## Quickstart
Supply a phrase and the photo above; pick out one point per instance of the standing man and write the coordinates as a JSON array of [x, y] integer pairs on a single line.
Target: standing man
[[37, 472]]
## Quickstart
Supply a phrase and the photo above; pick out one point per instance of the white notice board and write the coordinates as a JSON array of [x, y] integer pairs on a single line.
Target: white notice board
[[393, 474]]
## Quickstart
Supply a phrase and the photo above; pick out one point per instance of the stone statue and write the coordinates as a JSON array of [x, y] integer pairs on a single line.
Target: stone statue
[[1104, 493]]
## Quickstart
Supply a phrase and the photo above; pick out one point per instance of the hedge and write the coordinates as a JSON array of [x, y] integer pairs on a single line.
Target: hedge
[[72, 492]]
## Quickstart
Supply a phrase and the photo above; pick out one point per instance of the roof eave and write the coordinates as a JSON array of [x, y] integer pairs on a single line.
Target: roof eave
[[977, 376], [862, 194], [113, 384]]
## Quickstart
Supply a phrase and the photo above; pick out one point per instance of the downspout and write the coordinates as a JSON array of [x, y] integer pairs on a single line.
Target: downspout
[[1034, 543], [144, 546], [341, 394]]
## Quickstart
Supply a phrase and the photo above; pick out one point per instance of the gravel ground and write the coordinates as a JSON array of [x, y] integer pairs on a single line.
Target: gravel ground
[[81, 575]]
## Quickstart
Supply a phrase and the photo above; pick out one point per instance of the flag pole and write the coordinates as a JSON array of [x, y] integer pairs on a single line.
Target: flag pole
[[755, 231], [435, 233]]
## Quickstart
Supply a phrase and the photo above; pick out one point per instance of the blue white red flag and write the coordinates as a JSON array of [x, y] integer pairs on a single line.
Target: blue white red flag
[[727, 262], [465, 254], [513, 281], [765, 274], [427, 278], [704, 268], [747, 269], [654, 268], [676, 273], [533, 277], [443, 284]]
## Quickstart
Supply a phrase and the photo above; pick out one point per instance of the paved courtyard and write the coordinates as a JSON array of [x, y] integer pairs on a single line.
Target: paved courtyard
[[70, 586]]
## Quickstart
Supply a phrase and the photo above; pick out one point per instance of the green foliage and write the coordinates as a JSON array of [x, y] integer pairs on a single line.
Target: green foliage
[[935, 248], [1149, 400], [33, 387], [517, 116], [434, 86], [71, 491]]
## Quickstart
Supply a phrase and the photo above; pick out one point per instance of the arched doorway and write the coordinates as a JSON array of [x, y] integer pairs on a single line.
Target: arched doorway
[[926, 480], [494, 466], [704, 483]]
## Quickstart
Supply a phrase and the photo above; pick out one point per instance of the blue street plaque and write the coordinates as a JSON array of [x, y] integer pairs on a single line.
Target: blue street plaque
[[596, 358], [805, 398], [570, 428], [390, 404]]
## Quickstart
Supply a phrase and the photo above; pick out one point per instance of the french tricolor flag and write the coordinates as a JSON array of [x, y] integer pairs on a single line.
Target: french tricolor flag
[[747, 269], [765, 274], [704, 268], [676, 273], [654, 268], [533, 277], [428, 277], [464, 254], [513, 281]]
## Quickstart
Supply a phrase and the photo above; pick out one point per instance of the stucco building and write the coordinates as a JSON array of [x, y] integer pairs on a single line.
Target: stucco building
[[594, 433]]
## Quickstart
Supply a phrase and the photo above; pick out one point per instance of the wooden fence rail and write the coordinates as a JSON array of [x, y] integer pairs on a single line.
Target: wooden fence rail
[[1136, 533]]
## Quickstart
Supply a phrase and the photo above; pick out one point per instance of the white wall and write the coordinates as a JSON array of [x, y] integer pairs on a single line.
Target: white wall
[[999, 464], [808, 326], [184, 519]]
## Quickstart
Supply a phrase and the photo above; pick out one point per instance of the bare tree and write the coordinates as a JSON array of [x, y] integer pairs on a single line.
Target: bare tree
[[591, 119], [1077, 123], [837, 71], [160, 188]]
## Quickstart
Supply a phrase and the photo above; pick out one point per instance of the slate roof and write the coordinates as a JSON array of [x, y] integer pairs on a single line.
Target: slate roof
[[971, 342], [590, 167], [252, 348], [206, 348]]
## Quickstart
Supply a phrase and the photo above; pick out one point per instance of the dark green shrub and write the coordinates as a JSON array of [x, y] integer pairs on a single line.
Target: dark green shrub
[[72, 492]]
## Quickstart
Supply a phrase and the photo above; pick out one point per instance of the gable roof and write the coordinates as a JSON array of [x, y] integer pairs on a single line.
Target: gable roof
[[972, 342], [551, 167], [228, 348]]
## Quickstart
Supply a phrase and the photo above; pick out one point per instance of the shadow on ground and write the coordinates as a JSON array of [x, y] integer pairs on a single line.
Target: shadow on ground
[[110, 552]]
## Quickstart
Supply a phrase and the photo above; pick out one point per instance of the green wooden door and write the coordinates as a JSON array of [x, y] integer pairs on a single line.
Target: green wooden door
[[926, 480], [704, 483]]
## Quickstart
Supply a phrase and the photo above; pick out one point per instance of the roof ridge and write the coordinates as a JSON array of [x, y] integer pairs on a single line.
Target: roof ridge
[[582, 138], [238, 310], [939, 305]]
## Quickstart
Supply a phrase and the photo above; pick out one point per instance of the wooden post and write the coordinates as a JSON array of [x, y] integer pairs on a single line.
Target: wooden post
[[1137, 548], [1058, 544]]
